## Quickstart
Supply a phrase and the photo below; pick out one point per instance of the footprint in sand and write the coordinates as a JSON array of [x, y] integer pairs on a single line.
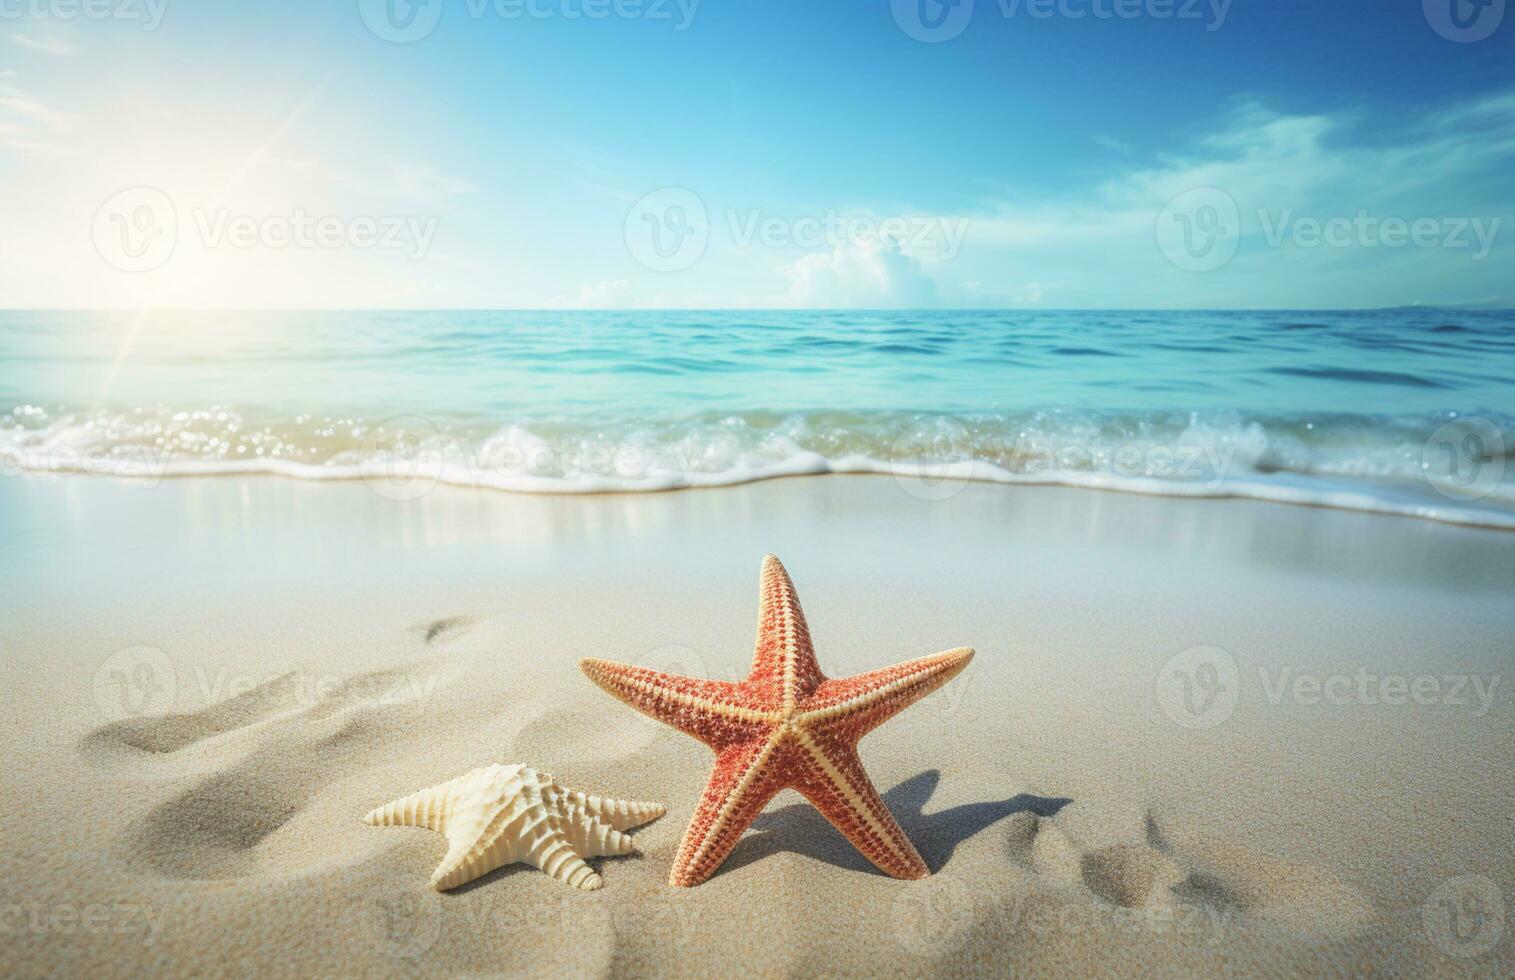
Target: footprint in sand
[[293, 694], [284, 695], [1280, 893], [170, 733], [303, 734], [212, 829], [443, 630], [1232, 884]]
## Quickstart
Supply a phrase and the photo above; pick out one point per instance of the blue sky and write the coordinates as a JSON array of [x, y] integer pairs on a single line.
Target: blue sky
[[1256, 153]]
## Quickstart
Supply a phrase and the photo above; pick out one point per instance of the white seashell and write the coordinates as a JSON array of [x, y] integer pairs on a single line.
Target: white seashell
[[498, 815]]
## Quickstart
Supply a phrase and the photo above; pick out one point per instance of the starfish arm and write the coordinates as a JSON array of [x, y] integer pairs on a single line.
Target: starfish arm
[[594, 838], [712, 711], [741, 784], [837, 786], [468, 858], [423, 808], [860, 704], [555, 854], [784, 660], [619, 814]]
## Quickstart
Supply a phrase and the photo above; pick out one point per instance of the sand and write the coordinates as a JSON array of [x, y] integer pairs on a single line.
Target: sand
[[1198, 736]]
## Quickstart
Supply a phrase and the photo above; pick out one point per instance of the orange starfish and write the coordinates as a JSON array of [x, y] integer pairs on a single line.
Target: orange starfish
[[786, 726]]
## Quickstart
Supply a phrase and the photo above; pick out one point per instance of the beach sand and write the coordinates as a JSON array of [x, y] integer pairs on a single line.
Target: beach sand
[[1198, 736]]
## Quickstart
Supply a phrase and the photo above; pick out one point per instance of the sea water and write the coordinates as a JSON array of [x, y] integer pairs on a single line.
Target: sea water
[[1407, 411]]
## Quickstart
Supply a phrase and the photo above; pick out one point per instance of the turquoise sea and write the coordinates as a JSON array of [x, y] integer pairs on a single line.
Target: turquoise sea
[[1404, 411]]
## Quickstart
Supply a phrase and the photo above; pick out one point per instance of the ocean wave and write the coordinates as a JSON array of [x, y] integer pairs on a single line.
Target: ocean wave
[[1447, 467]]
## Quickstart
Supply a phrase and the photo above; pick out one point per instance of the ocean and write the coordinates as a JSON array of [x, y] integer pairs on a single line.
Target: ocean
[[1407, 411]]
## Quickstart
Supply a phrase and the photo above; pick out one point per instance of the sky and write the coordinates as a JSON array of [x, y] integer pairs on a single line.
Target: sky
[[783, 153]]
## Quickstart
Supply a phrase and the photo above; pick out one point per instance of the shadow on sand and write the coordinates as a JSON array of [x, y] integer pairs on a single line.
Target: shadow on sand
[[800, 829]]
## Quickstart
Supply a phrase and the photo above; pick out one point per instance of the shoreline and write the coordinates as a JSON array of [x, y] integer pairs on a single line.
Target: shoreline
[[931, 482]]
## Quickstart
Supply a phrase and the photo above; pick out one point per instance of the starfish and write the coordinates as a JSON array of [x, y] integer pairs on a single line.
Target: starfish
[[498, 815], [786, 726]]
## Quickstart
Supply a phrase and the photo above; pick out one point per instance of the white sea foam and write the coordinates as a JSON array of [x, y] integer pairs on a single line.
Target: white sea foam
[[1443, 468]]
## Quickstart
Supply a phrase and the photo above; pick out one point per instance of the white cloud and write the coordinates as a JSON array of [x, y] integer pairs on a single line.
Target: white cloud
[[602, 295], [852, 276], [19, 103], [1097, 246], [1032, 293], [1256, 157], [35, 148], [23, 140], [50, 44], [422, 184], [20, 117]]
